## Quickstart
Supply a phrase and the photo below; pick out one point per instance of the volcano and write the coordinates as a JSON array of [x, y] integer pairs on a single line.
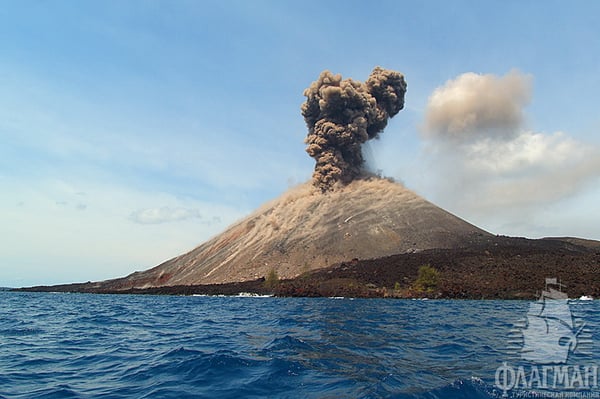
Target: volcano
[[350, 233], [305, 229]]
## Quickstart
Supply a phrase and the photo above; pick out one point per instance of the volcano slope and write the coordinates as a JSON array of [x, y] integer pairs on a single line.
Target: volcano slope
[[305, 229]]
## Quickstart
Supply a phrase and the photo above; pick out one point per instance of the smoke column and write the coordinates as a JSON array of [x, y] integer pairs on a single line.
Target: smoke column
[[341, 114]]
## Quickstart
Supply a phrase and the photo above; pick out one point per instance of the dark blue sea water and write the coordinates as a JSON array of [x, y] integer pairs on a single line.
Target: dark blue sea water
[[121, 346]]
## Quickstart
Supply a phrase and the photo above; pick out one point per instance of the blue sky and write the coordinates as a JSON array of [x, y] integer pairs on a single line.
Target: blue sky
[[131, 131]]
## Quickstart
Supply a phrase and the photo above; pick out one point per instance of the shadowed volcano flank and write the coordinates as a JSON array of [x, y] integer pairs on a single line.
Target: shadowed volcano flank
[[305, 229]]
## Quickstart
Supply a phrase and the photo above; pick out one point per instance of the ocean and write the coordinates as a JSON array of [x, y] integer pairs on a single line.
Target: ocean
[[56, 345]]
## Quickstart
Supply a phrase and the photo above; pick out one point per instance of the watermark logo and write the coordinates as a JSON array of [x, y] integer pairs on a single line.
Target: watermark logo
[[545, 346], [551, 331]]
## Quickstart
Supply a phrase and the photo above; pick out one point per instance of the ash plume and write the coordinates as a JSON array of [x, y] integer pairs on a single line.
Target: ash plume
[[474, 106], [478, 140], [342, 114]]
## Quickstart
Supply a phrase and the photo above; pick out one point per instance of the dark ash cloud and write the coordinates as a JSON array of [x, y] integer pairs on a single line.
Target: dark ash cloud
[[342, 114]]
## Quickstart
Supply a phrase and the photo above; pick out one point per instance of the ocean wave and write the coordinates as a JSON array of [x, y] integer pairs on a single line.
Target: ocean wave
[[86, 346]]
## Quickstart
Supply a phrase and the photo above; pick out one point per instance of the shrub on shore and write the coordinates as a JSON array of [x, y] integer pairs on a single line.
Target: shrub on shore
[[428, 278]]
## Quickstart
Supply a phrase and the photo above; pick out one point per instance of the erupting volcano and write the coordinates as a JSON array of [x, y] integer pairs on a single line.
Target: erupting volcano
[[343, 214], [346, 214]]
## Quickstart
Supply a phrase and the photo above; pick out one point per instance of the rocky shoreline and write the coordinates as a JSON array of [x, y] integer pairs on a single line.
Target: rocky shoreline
[[500, 268]]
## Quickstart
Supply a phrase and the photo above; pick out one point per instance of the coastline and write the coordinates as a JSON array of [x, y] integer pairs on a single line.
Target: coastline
[[502, 268]]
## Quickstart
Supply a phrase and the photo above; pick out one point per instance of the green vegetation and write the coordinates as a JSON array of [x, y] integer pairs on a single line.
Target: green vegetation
[[397, 286], [427, 279], [272, 279]]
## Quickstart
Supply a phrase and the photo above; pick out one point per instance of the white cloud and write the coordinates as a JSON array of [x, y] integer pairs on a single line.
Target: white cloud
[[527, 150], [529, 170], [166, 214]]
